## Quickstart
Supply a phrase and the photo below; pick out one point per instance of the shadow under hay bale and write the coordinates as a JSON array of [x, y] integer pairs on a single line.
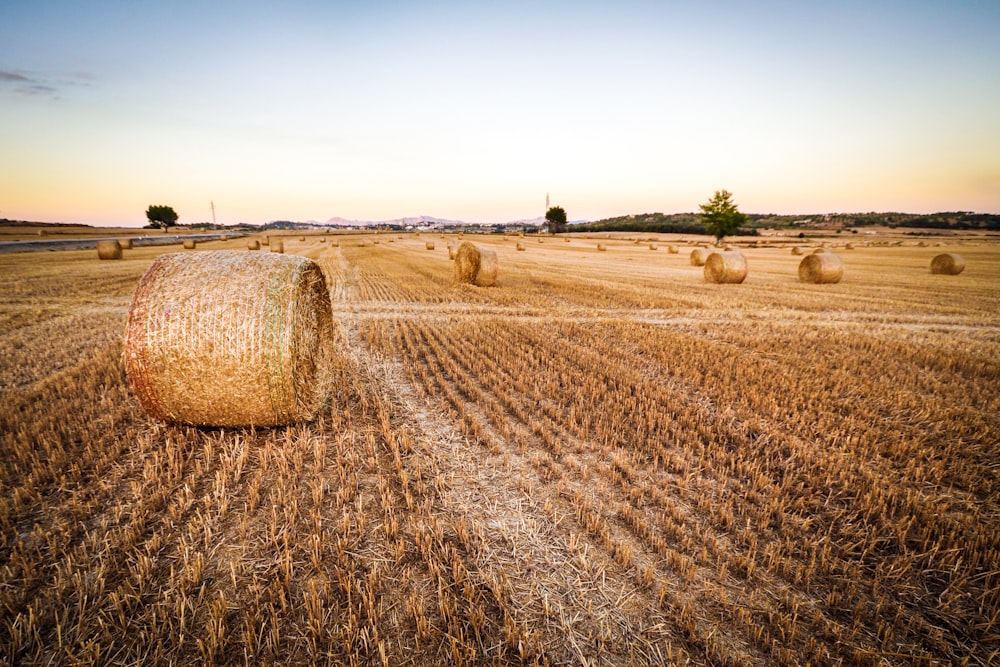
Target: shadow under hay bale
[[821, 268], [109, 250], [475, 265], [726, 267], [698, 256], [229, 338], [948, 264]]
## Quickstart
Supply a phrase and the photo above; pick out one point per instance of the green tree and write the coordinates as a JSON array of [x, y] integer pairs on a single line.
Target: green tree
[[555, 219], [720, 215], [161, 216]]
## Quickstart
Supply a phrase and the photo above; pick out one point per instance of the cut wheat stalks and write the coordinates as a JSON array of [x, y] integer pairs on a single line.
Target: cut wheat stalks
[[253, 244], [126, 244], [277, 246], [698, 256], [109, 250], [726, 267], [475, 265], [948, 264], [821, 268], [190, 244], [228, 338]]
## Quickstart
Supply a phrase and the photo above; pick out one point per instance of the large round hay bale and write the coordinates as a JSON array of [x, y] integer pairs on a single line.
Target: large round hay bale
[[698, 256], [429, 245], [726, 266], [253, 244], [229, 338], [190, 244], [948, 264], [109, 249], [475, 265], [126, 244], [277, 245], [821, 268]]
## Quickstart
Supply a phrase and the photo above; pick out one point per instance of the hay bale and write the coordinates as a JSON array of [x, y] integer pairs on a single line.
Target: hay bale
[[601, 248], [190, 244], [698, 256], [475, 265], [849, 246], [429, 245], [948, 264], [652, 246], [228, 338], [672, 249], [253, 244], [278, 246], [796, 250], [109, 249], [822, 250], [335, 243], [821, 268], [302, 238], [322, 240], [566, 239], [126, 244], [451, 252], [520, 246], [266, 241], [726, 266]]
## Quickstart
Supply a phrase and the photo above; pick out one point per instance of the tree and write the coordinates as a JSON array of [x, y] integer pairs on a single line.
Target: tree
[[555, 220], [161, 216], [720, 215]]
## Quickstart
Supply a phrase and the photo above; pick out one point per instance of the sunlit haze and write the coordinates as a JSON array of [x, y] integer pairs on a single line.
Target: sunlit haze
[[306, 110]]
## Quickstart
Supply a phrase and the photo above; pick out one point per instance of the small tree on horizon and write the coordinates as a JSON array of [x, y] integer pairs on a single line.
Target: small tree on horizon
[[160, 216], [720, 215], [555, 220]]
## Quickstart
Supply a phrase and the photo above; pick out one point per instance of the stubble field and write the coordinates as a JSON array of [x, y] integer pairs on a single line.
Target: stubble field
[[601, 460]]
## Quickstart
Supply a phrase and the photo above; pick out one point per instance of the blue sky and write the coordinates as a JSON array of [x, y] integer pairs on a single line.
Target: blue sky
[[473, 110]]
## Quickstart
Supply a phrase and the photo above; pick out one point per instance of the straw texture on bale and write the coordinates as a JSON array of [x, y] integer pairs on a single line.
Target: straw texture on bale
[[229, 338], [126, 244], [109, 250], [189, 244], [698, 256], [475, 265], [727, 266], [429, 245], [821, 268], [253, 244], [948, 264], [278, 246]]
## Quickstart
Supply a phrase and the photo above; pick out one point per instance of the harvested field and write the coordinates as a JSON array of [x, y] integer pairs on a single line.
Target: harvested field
[[601, 460]]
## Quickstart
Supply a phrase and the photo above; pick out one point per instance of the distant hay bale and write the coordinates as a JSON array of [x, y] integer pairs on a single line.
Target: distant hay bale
[[223, 237], [652, 246], [109, 250], [335, 243], [728, 248], [126, 244], [253, 244], [566, 239], [451, 251], [429, 245], [520, 246], [698, 256], [228, 338], [322, 240], [278, 246], [42, 232], [376, 241], [672, 249], [849, 246], [601, 248], [796, 250], [190, 244], [821, 268], [821, 251], [475, 265], [266, 240], [302, 238], [948, 264], [727, 266]]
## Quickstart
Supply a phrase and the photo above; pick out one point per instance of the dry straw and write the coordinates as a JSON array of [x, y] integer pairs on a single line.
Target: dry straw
[[277, 246], [253, 244], [727, 266], [109, 250], [698, 256], [948, 264], [229, 338], [126, 244], [429, 245], [475, 265], [821, 268], [189, 244]]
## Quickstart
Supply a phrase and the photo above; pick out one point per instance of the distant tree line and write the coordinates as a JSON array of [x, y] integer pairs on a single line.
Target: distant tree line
[[673, 223]]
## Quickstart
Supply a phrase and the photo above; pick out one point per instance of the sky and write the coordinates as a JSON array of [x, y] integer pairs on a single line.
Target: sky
[[467, 110]]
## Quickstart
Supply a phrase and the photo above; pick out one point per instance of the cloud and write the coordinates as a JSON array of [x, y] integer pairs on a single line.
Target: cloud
[[33, 85]]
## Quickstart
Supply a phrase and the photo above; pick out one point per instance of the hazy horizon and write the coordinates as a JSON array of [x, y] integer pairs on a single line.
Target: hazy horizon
[[384, 110]]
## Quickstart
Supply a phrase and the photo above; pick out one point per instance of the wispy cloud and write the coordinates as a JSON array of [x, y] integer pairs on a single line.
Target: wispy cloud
[[32, 84]]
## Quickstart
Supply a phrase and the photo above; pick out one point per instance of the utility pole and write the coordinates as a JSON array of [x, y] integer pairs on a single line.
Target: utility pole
[[212, 203]]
